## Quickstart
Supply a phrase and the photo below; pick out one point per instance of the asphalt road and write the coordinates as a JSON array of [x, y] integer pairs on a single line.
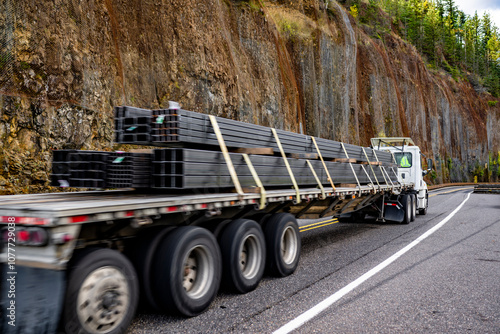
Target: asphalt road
[[447, 283]]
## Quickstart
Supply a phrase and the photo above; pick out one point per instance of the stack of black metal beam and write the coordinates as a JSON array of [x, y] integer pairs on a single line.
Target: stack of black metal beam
[[129, 170], [181, 168], [133, 125], [95, 169], [61, 170], [385, 157], [185, 166], [79, 169], [183, 128]]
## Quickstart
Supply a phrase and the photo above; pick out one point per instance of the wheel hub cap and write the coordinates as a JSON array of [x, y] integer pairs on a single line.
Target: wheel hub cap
[[103, 300]]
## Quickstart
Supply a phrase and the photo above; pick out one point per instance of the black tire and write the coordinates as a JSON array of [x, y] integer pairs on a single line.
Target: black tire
[[142, 255], [243, 251], [423, 211], [102, 279], [407, 208], [187, 271], [261, 218], [283, 244], [413, 207]]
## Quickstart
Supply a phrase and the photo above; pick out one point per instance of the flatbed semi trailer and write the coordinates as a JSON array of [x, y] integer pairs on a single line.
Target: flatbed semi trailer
[[82, 262], [101, 250]]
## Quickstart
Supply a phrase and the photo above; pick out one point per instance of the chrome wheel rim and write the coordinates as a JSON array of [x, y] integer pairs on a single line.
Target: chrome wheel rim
[[103, 300], [289, 245], [250, 256], [198, 272]]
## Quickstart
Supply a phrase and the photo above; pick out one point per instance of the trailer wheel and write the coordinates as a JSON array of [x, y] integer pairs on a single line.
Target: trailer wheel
[[283, 244], [243, 251], [407, 208], [187, 271], [102, 293], [142, 256]]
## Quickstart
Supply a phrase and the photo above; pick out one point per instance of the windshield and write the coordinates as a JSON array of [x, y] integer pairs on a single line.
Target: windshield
[[403, 159]]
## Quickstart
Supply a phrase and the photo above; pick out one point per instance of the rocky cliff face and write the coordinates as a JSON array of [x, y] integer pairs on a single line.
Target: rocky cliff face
[[301, 66]]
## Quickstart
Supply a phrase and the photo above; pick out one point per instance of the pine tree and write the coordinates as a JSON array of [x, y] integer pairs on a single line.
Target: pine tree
[[476, 42], [448, 37], [485, 38], [431, 33]]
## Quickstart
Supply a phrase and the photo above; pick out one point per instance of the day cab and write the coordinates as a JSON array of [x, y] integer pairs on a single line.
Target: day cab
[[410, 170]]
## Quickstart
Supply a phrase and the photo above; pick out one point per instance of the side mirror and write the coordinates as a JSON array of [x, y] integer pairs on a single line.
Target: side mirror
[[429, 164]]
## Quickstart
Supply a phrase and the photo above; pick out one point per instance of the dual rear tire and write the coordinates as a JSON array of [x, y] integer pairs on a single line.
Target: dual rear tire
[[187, 271], [409, 203], [243, 254], [247, 249], [406, 202], [283, 244], [413, 206], [180, 271]]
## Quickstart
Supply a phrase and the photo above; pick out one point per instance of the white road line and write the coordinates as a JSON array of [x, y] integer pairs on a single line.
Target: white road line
[[314, 311]]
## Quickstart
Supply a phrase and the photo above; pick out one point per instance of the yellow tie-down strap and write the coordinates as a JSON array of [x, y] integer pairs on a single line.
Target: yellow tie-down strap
[[371, 167], [257, 181], [381, 168], [352, 168], [227, 158], [389, 178], [323, 162], [323, 196], [369, 178], [286, 164]]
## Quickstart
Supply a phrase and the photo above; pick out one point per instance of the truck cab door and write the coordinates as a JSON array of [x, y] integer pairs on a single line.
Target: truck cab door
[[406, 162]]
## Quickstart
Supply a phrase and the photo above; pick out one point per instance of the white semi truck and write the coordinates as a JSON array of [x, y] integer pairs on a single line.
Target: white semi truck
[[409, 158], [80, 262]]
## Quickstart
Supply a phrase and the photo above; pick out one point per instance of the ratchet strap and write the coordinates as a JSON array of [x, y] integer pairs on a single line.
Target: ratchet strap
[[317, 180], [371, 167], [323, 162], [394, 172], [392, 168], [393, 158], [380, 167], [286, 163], [388, 177], [352, 168], [369, 178], [257, 181], [227, 158]]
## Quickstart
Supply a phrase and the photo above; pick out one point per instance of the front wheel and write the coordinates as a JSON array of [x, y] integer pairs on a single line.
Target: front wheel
[[187, 271], [423, 211], [102, 293], [283, 244]]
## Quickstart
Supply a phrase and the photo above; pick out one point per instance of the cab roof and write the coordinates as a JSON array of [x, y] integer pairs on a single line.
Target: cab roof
[[391, 141]]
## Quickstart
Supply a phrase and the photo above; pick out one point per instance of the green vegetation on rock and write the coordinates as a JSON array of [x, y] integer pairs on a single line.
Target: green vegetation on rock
[[467, 47]]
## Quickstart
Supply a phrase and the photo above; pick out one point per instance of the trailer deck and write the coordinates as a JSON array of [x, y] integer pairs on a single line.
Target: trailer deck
[[68, 207]]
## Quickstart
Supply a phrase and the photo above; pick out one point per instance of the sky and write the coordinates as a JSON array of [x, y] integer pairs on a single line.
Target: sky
[[491, 6]]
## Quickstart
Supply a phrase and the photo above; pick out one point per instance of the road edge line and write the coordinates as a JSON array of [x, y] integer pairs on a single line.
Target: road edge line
[[315, 310]]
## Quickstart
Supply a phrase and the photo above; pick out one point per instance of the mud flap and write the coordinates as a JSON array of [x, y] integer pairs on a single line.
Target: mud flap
[[33, 303], [394, 212]]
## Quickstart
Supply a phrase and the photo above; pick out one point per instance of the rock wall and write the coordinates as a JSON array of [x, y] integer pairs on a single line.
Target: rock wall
[[304, 66]]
